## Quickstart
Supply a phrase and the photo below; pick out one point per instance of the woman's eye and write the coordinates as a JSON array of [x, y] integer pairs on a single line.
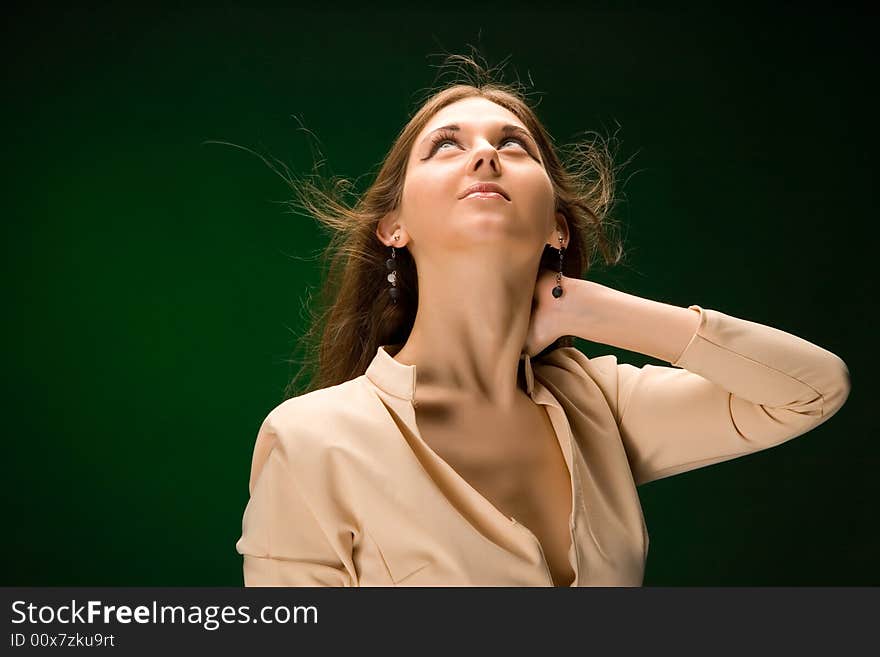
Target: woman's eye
[[449, 140]]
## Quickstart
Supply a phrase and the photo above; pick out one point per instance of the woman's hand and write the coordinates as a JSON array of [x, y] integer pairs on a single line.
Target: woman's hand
[[549, 318], [598, 313]]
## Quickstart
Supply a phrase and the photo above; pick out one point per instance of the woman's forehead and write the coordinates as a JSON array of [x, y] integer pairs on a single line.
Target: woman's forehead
[[472, 112]]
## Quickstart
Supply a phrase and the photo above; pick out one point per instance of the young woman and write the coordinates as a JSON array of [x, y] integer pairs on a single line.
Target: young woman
[[453, 436]]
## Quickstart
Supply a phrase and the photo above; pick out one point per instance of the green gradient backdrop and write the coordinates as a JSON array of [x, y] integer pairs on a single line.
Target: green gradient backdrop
[[153, 295]]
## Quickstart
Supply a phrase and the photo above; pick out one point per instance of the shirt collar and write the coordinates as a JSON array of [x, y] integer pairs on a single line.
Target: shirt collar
[[399, 379]]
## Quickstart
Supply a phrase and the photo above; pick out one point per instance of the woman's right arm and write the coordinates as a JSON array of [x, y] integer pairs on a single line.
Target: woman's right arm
[[283, 542]]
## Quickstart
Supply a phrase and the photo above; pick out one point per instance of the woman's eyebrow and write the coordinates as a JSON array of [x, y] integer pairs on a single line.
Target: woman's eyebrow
[[506, 129]]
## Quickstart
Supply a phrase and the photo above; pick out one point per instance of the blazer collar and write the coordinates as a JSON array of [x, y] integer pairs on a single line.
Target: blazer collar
[[399, 379]]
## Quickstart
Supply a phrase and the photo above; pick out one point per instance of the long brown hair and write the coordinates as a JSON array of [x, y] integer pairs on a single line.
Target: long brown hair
[[353, 314]]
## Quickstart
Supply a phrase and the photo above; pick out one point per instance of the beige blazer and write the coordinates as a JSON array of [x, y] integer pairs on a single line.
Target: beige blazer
[[344, 492]]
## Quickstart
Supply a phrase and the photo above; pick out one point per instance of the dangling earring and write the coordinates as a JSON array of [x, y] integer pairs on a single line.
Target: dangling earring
[[390, 264], [557, 291]]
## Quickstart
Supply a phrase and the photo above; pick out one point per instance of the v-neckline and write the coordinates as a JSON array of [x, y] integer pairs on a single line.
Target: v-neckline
[[541, 397]]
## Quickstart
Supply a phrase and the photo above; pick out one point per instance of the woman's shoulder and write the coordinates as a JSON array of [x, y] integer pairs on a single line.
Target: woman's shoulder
[[313, 432], [316, 401], [583, 380], [572, 361], [315, 419]]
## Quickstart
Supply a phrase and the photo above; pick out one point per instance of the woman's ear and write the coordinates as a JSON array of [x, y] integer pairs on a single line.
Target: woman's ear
[[559, 228], [387, 227]]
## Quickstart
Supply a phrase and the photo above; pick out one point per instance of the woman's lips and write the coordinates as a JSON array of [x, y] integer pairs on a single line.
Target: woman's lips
[[485, 195]]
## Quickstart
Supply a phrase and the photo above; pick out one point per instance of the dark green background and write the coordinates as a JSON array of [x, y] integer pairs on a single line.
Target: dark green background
[[154, 284]]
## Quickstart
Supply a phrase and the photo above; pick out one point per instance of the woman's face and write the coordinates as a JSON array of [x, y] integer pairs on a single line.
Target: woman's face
[[443, 163]]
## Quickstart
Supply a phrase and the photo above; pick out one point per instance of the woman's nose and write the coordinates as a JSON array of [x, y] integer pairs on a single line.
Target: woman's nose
[[485, 153]]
